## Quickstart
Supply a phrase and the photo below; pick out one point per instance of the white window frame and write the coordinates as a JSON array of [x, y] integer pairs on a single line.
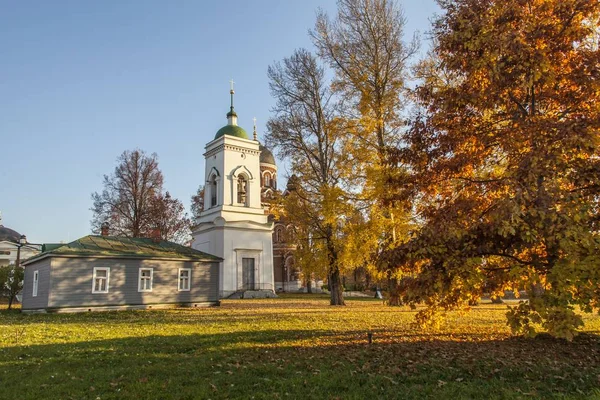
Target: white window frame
[[140, 279], [94, 277], [189, 280], [36, 282]]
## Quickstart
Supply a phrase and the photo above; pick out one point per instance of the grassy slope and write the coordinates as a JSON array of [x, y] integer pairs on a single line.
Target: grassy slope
[[297, 347]]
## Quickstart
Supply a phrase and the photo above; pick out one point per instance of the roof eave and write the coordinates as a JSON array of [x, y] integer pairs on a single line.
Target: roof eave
[[129, 257]]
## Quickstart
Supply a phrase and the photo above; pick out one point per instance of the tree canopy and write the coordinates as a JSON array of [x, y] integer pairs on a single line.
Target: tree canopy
[[304, 128], [11, 281], [134, 204], [197, 202], [363, 44], [504, 152]]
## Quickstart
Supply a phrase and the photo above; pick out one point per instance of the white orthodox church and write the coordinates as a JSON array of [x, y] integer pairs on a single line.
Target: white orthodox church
[[234, 224]]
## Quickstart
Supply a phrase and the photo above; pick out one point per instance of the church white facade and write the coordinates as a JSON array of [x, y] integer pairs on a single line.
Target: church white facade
[[234, 225]]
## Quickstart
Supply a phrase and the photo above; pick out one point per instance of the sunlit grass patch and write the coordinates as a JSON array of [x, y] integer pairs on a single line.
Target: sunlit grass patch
[[294, 347]]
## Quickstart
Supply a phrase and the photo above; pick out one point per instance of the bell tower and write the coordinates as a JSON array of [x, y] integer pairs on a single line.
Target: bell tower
[[233, 225]]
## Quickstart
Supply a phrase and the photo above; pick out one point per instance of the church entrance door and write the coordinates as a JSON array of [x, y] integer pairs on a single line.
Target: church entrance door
[[248, 273]]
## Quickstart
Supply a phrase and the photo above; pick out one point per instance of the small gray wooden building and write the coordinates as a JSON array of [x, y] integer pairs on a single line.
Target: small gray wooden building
[[107, 272]]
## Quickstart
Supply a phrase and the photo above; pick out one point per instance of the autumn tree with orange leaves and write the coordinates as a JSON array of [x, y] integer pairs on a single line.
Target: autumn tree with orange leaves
[[506, 162]]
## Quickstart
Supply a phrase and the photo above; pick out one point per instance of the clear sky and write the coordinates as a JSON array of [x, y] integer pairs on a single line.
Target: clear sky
[[82, 81]]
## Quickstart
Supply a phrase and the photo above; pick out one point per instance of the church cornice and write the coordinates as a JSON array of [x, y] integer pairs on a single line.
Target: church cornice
[[214, 150], [229, 147], [240, 149]]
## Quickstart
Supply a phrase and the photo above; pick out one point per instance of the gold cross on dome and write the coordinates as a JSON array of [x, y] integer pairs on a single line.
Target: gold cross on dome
[[231, 82]]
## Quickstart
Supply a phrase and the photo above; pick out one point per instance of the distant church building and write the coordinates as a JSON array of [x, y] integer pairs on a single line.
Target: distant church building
[[287, 277], [10, 243], [240, 178]]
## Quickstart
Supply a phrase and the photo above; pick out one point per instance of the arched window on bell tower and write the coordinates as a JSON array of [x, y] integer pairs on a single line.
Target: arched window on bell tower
[[213, 191], [242, 190]]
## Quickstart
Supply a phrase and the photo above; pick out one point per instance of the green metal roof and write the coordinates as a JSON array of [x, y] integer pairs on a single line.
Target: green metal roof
[[51, 246], [123, 247], [232, 130]]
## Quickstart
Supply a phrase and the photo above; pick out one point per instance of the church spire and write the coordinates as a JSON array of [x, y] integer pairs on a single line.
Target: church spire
[[231, 115], [255, 135]]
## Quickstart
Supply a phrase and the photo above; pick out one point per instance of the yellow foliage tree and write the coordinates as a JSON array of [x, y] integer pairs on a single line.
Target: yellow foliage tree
[[305, 128], [364, 46]]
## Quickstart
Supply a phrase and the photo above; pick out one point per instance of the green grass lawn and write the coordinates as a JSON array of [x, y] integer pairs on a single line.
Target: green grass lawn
[[293, 347]]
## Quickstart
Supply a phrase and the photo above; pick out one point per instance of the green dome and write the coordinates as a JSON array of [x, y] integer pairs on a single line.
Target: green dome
[[232, 130], [266, 157]]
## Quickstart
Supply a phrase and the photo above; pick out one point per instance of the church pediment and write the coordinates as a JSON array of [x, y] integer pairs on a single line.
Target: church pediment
[[241, 169]]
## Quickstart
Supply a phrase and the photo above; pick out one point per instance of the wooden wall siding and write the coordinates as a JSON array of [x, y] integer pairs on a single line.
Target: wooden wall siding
[[72, 282], [41, 300]]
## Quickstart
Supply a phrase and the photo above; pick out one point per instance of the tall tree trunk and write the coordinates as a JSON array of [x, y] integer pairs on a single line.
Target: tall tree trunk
[[394, 299], [309, 285], [10, 301], [335, 287], [333, 276]]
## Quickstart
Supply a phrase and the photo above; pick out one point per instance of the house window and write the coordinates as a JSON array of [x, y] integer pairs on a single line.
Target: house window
[[184, 279], [100, 280], [36, 277], [242, 189], [145, 281]]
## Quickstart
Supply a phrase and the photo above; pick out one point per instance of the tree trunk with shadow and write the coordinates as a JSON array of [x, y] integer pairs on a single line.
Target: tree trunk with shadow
[[394, 289], [335, 286]]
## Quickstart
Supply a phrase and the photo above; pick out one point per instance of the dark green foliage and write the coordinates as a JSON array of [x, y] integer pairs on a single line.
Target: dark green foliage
[[11, 282]]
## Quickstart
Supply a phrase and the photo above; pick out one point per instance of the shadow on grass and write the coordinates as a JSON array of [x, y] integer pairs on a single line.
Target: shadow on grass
[[301, 364]]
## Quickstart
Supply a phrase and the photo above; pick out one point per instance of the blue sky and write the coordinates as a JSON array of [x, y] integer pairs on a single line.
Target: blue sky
[[82, 81]]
